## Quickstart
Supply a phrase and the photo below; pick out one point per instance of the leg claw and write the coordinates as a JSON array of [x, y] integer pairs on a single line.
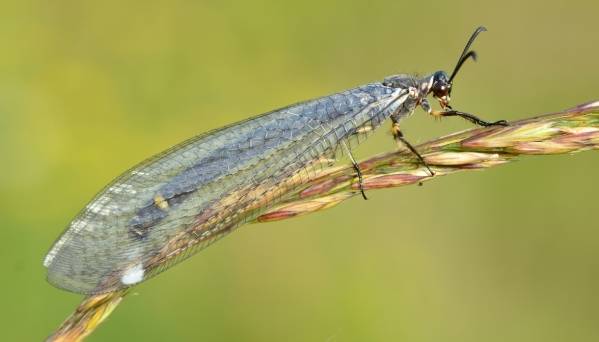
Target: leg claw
[[500, 123]]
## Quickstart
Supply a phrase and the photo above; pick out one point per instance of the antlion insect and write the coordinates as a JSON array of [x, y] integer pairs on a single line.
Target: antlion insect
[[182, 200]]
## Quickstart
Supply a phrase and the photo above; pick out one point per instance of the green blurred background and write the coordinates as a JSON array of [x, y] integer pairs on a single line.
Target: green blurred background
[[87, 89]]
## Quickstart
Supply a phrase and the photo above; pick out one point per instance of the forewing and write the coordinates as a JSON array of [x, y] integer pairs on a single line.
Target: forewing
[[185, 198]]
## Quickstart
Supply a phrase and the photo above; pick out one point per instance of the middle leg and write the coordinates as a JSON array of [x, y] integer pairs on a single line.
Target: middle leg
[[400, 140]]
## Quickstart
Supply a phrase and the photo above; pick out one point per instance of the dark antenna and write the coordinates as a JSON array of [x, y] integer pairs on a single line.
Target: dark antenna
[[467, 53]]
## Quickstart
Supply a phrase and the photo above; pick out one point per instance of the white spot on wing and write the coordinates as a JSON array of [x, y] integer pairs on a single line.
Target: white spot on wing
[[133, 275]]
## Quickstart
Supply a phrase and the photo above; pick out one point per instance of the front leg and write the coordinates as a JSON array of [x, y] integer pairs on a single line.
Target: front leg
[[472, 118]]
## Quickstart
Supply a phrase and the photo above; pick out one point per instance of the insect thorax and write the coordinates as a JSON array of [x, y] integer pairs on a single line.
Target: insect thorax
[[418, 87], [404, 81]]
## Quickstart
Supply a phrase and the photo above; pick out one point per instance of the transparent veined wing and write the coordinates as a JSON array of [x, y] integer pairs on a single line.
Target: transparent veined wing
[[179, 201]]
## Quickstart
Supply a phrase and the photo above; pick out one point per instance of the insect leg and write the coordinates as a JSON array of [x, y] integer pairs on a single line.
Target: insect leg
[[399, 139], [472, 118], [357, 168]]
